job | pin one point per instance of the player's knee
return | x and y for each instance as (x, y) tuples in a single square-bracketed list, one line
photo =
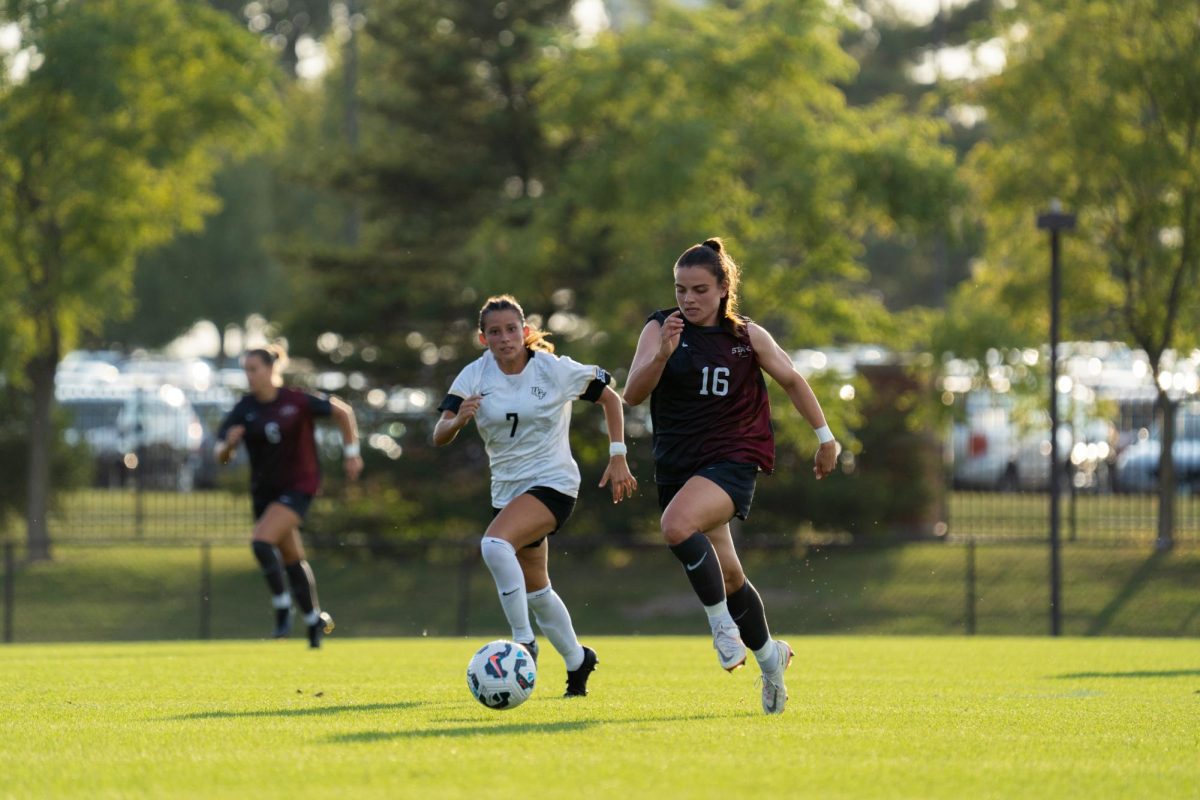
[(676, 529)]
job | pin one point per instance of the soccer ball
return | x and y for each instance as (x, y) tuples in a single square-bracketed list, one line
[(501, 675)]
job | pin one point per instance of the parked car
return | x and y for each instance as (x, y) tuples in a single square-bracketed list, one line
[(1137, 465), (151, 435), (990, 451)]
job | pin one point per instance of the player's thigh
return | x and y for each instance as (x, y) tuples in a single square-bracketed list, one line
[(700, 505), (291, 547), (535, 565), (731, 566), (523, 521), (276, 523)]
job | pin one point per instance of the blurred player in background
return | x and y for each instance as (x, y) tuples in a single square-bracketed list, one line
[(701, 364), (519, 394), (276, 423)]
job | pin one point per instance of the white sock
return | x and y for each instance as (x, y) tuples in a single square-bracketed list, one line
[(768, 656), (717, 615), (311, 617), (281, 600), (501, 559), (555, 621)]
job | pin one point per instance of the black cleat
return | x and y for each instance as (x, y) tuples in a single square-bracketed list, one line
[(283, 622), (577, 678), (318, 630), (532, 648)]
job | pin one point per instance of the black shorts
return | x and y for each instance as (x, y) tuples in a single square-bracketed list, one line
[(560, 505), (296, 501), (736, 479)]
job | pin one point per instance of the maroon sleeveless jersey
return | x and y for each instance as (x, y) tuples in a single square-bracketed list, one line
[(279, 438), (710, 404)]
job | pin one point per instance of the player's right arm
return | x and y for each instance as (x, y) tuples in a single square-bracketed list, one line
[(229, 435), (225, 447), (452, 422), (655, 346)]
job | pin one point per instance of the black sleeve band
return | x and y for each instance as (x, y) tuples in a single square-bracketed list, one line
[(450, 403), (596, 387)]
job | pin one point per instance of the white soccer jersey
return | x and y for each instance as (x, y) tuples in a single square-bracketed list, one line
[(524, 420)]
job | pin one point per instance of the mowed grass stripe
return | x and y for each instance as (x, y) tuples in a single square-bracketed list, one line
[(869, 717)]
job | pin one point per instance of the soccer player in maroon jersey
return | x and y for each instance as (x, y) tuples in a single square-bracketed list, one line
[(701, 364), (276, 424)]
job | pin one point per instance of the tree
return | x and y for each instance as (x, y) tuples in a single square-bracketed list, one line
[(899, 57), (223, 273), (108, 147), (719, 121), (447, 122), (1099, 106)]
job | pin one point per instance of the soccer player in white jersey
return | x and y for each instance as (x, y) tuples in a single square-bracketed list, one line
[(519, 394)]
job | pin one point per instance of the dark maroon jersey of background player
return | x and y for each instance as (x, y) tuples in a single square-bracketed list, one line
[(710, 404), (279, 439)]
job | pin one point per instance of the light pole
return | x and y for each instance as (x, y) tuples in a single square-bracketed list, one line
[(1054, 220)]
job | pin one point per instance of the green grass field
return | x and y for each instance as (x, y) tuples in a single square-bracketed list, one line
[(868, 717)]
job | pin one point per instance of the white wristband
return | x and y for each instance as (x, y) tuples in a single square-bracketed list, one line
[(617, 449), (824, 435), (351, 450)]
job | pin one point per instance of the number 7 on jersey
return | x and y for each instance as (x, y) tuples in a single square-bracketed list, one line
[(515, 419)]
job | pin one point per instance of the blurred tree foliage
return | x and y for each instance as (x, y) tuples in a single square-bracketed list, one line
[(446, 117), (222, 273), (231, 268), (898, 57), (108, 146)]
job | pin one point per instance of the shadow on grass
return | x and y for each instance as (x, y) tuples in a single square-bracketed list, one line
[(507, 729), (1171, 673), (1136, 581), (315, 711)]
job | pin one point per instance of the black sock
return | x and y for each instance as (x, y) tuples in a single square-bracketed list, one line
[(304, 585), (703, 569), (746, 608), (272, 567)]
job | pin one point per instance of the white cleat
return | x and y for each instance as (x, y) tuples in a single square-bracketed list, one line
[(727, 641), (774, 693)]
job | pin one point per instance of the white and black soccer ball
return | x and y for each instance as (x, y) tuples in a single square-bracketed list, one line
[(501, 675)]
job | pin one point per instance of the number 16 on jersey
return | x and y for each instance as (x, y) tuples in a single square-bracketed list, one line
[(719, 386)]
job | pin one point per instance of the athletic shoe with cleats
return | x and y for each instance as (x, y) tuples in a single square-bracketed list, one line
[(577, 678), (774, 693), (532, 649), (727, 641), (283, 622), (319, 629)]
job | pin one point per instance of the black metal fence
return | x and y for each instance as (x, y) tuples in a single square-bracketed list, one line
[(184, 590)]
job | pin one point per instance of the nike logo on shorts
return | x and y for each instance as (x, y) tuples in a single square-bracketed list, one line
[(691, 567)]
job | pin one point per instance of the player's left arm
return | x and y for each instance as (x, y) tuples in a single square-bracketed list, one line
[(617, 471), (343, 417), (775, 362)]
